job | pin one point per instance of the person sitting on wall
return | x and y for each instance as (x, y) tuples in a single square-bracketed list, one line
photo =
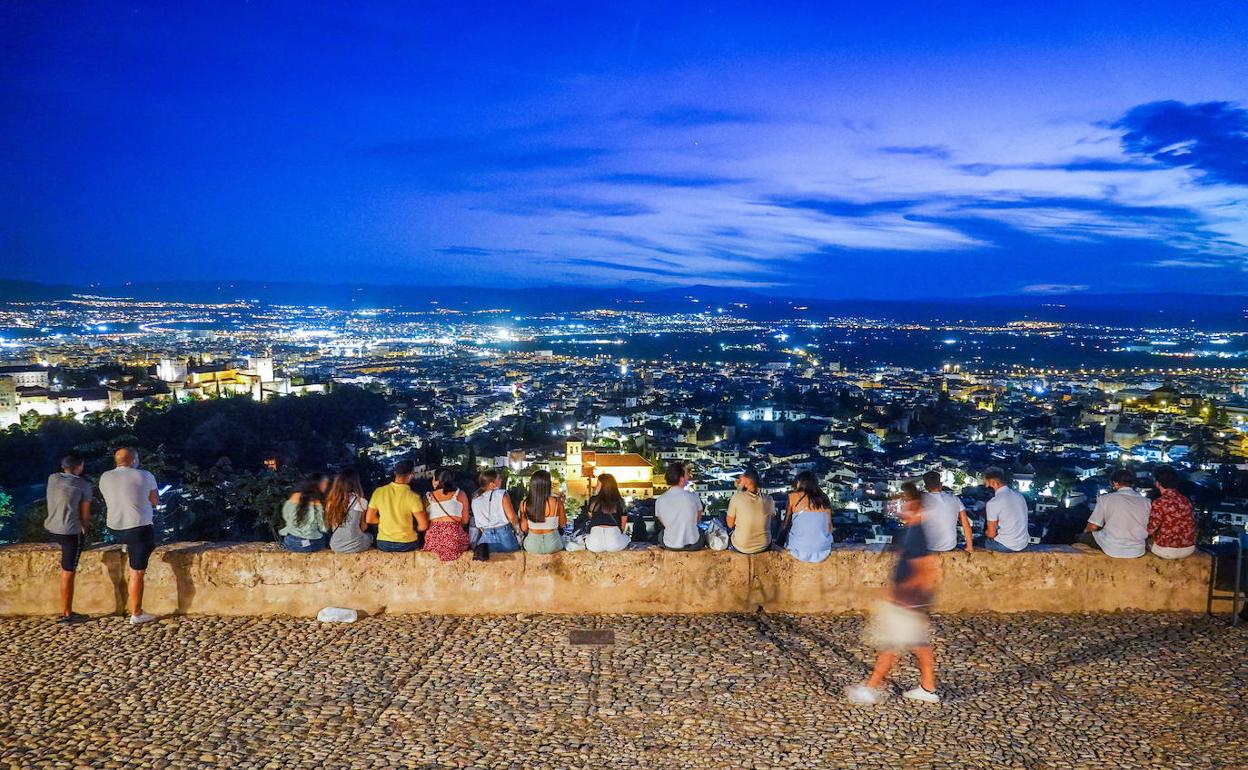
[(1118, 525), (303, 518), (750, 515), (448, 511), (493, 514), (398, 512), (942, 513), (607, 518), (345, 509), (1006, 530), (679, 511), (542, 516), (1171, 523)]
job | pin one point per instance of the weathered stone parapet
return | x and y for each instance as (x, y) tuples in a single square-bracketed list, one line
[(263, 579)]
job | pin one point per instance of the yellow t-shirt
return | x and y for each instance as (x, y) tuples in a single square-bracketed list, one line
[(395, 504)]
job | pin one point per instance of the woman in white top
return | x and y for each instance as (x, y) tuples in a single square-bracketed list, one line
[(344, 509), (448, 511), (810, 520), (542, 515), (493, 515)]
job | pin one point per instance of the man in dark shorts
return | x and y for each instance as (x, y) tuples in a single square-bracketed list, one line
[(130, 497), (69, 513), (901, 622)]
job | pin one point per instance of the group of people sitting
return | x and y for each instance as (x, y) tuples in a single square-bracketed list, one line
[(334, 513)]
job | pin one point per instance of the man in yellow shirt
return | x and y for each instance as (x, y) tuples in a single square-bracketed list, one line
[(398, 512)]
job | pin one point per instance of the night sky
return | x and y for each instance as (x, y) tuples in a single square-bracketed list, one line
[(835, 149)]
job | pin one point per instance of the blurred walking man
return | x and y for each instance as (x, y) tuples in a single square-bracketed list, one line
[(130, 497), (901, 622)]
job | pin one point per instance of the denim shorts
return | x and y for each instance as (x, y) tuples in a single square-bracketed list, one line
[(499, 539), (992, 544), (303, 544)]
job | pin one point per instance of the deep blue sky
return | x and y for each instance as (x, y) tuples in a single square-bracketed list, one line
[(837, 149)]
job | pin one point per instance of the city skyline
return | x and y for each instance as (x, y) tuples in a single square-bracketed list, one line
[(903, 152)]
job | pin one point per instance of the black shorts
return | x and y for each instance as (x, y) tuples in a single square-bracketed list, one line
[(71, 549), (139, 543)]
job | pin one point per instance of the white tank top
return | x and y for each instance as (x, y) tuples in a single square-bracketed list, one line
[(444, 509), (487, 510)]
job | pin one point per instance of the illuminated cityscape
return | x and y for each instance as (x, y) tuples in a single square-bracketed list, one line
[(718, 388)]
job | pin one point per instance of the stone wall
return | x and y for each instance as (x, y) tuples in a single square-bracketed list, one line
[(262, 579)]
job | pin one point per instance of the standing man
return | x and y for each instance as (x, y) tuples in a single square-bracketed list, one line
[(398, 512), (1006, 530), (901, 622), (942, 512), (130, 497), (679, 511), (69, 514), (1119, 523)]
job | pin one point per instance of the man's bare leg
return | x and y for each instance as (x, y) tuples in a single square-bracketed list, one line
[(67, 592), (136, 592)]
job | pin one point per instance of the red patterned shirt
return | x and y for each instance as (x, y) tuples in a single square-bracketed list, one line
[(1172, 524)]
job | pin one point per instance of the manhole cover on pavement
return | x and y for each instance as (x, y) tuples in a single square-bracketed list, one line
[(604, 636)]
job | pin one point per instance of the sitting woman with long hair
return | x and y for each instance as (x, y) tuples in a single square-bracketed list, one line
[(810, 520), (493, 515), (606, 518), (344, 510), (542, 515), (448, 510), (303, 518)]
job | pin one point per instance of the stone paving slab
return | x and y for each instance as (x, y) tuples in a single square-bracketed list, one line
[(1022, 691)]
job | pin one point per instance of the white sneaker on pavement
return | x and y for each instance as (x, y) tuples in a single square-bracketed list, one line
[(141, 618), (920, 694), (863, 695)]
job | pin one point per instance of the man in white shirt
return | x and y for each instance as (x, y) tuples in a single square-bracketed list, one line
[(1006, 530), (1119, 523), (679, 511), (942, 512), (129, 497)]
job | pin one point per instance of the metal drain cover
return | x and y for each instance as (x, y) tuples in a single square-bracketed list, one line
[(599, 636)]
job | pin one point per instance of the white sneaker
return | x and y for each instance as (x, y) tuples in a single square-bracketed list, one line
[(863, 695), (920, 694), (141, 618)]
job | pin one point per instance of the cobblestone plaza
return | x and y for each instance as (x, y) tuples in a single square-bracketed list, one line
[(1021, 691)]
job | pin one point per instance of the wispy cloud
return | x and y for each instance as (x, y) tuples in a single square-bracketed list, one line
[(584, 207), (1054, 288), (667, 180), (933, 151), (678, 115)]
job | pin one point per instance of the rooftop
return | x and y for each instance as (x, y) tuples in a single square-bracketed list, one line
[(1022, 691)]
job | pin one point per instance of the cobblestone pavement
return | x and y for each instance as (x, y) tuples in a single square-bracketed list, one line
[(1033, 691)]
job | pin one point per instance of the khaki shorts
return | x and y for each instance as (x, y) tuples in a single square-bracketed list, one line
[(893, 628)]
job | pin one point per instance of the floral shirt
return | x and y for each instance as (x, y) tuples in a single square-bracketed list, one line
[(1172, 524)]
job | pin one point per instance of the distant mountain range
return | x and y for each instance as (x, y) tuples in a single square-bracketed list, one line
[(1163, 309)]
